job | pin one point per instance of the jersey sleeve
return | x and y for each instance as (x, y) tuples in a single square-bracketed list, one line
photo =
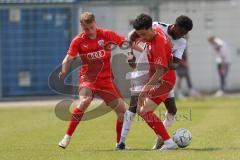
[(179, 48), (74, 47), (114, 37), (130, 34)]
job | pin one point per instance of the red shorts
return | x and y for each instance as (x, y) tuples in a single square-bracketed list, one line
[(160, 93), (106, 90)]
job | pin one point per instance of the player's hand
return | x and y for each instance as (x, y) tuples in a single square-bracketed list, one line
[(62, 75), (132, 36), (131, 60), (172, 66)]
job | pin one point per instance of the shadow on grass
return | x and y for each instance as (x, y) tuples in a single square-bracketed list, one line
[(112, 150), (202, 149), (211, 149)]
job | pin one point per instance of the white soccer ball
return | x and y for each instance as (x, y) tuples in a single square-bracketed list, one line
[(182, 137)]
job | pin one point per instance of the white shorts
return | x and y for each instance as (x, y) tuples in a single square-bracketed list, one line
[(138, 80), (171, 94)]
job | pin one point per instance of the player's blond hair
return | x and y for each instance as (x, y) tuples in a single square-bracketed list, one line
[(87, 17)]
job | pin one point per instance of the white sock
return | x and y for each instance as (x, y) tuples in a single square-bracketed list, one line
[(128, 118), (169, 119)]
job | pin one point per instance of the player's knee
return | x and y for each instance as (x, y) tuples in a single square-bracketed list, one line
[(84, 102), (145, 109), (120, 109), (133, 109), (120, 115), (121, 106), (142, 111), (172, 110), (171, 106), (116, 104)]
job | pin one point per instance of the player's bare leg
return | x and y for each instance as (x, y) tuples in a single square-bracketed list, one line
[(171, 111), (118, 106), (85, 98)]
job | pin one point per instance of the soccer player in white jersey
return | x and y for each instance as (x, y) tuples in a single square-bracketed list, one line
[(176, 33), (223, 61)]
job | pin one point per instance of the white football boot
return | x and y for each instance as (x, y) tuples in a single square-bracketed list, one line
[(64, 142), (169, 145)]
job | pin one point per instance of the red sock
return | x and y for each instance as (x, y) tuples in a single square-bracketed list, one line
[(119, 125), (155, 123), (76, 118)]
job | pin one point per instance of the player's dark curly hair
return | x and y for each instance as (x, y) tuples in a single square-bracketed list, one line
[(143, 21), (184, 22)]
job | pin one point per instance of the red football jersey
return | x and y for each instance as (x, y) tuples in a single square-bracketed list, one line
[(159, 52), (95, 54)]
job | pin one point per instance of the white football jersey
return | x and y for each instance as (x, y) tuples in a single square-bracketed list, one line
[(179, 45)]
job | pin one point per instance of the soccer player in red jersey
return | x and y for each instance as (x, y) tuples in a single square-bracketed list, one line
[(176, 33), (92, 45), (161, 81)]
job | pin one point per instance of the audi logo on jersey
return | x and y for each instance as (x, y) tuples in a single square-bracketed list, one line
[(95, 55)]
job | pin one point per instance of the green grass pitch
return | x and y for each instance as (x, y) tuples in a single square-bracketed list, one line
[(34, 132)]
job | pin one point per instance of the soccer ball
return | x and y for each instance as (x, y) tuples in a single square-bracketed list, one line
[(182, 137)]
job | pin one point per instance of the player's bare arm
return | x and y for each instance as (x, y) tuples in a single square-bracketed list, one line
[(65, 66), (132, 37)]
